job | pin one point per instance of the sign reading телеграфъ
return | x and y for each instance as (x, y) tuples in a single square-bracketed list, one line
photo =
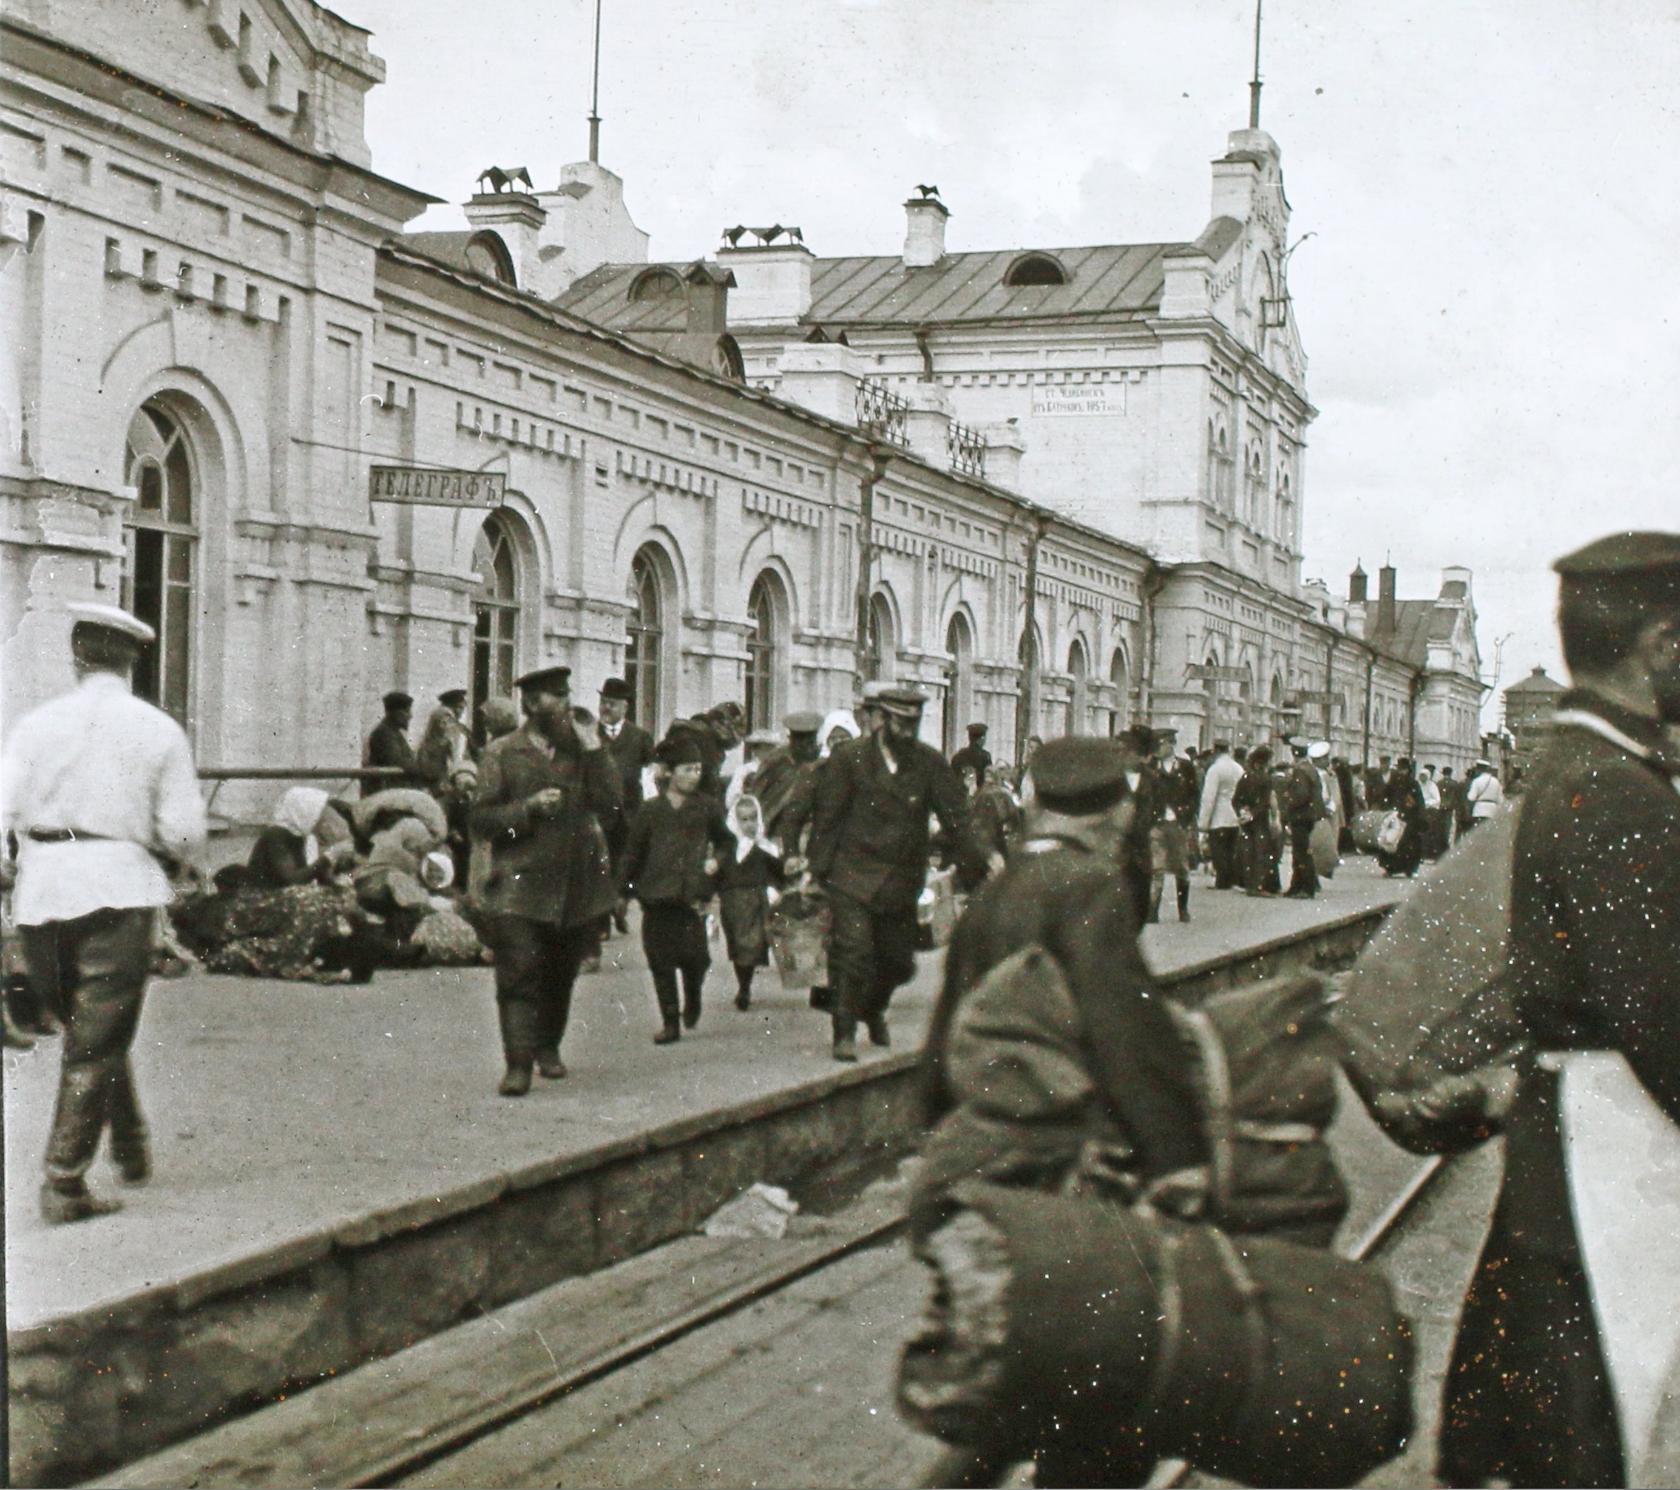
[(436, 488)]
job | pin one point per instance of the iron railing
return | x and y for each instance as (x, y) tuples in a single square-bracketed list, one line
[(967, 450), (881, 413)]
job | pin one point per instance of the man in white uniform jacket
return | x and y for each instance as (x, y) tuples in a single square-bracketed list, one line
[(100, 792), (1217, 817)]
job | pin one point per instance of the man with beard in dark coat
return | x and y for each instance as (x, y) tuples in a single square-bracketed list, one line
[(1537, 1393), (869, 851)]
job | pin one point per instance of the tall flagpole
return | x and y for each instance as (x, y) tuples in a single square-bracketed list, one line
[(595, 96), (1254, 84)]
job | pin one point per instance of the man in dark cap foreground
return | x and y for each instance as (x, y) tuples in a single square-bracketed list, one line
[(1064, 892), (869, 850), (543, 793), (1573, 1302), (100, 790)]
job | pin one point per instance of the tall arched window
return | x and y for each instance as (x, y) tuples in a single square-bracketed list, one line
[(645, 640), (1078, 670), (1214, 723), (161, 562), (881, 663), (763, 653), (495, 612), (1120, 675), (959, 683)]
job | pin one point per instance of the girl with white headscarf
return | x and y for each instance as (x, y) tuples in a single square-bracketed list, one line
[(288, 851), (842, 720)]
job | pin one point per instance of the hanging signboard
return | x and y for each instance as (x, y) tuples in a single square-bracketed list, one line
[(418, 486)]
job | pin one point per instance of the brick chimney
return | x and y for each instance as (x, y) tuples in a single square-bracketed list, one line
[(1388, 614), (773, 283), (924, 231)]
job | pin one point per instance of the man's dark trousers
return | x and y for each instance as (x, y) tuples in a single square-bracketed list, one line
[(1303, 873), (1222, 849), (871, 952), (91, 972), (536, 965)]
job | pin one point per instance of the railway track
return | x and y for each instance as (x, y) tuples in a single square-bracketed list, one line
[(692, 1364)]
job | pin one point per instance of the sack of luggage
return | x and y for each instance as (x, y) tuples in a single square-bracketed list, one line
[(799, 938), (1389, 834), (1265, 1061), (1058, 1318)]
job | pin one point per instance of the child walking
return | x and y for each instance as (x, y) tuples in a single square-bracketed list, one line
[(669, 864), (748, 885)]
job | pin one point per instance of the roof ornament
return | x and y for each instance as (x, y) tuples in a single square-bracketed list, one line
[(929, 193), (765, 236), (502, 179)]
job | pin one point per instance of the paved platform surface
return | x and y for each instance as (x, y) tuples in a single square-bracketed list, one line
[(282, 1110)]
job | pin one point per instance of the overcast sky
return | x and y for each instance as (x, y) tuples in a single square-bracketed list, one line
[(1489, 305)]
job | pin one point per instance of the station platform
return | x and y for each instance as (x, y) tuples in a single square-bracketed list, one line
[(335, 1176)]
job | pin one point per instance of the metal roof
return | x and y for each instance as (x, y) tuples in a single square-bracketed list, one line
[(878, 289), (603, 296), (1537, 681)]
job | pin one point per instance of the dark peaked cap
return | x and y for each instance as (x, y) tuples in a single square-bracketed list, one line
[(903, 701), (802, 723), (549, 679), (1079, 774), (1623, 554)]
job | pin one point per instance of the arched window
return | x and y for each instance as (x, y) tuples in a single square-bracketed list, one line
[(655, 284), (1078, 669), (1035, 269), (959, 682), (1214, 724), (881, 663), (495, 611), (161, 561), (1285, 513), (1120, 675), (644, 648), (764, 649)]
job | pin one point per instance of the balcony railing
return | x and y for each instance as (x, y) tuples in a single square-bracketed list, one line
[(881, 413), (967, 450)]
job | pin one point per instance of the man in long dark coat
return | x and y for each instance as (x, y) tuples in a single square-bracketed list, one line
[(777, 777), (1533, 1396), (869, 850), (543, 793), (974, 755)]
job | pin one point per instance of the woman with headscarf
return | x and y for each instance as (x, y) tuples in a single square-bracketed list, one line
[(288, 913)]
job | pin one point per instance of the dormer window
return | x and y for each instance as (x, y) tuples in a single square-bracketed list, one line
[(655, 284), (1035, 269), (488, 255)]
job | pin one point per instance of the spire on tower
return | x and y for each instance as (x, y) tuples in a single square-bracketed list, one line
[(595, 95), (1254, 82)]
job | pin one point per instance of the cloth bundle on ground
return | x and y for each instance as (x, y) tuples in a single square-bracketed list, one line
[(1427, 1018), (1068, 1318)]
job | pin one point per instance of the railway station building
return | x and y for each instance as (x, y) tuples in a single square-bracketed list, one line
[(326, 457)]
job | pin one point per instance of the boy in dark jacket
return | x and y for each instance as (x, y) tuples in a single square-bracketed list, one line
[(669, 865)]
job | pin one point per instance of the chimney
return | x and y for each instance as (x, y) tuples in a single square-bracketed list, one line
[(772, 282), (517, 218), (924, 231), (1388, 614), (1357, 582), (706, 299)]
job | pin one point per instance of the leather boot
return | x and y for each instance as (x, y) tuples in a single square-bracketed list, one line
[(517, 1081), (1183, 900), (550, 1066), (691, 1003), (64, 1203), (1154, 903), (669, 1034), (845, 1038), (878, 1032)]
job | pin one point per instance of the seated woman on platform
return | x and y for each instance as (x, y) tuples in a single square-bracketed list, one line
[(288, 912)]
